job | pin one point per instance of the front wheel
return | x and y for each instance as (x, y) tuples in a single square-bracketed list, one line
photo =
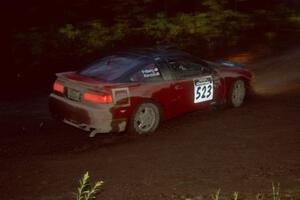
[(237, 93), (145, 119)]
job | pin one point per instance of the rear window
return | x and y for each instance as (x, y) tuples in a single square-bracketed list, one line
[(110, 68)]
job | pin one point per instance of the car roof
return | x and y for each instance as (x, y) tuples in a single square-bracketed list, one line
[(155, 53), (145, 55)]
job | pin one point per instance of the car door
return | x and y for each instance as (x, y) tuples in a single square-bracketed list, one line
[(196, 85), (156, 83)]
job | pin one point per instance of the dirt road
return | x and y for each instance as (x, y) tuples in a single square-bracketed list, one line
[(242, 149)]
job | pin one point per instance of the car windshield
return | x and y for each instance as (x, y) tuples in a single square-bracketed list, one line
[(110, 68)]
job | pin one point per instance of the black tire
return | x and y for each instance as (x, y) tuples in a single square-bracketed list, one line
[(237, 93), (145, 119)]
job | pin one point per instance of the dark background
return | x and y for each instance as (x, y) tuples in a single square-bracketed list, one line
[(244, 149), (45, 37)]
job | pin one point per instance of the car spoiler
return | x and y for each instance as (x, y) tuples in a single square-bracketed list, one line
[(72, 76), (227, 63)]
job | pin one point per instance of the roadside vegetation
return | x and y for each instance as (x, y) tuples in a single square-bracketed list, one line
[(84, 30), (88, 191), (213, 23), (274, 194)]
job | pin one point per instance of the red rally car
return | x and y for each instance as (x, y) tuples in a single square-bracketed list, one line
[(137, 89)]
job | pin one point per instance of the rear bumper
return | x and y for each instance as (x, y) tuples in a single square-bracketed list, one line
[(85, 117)]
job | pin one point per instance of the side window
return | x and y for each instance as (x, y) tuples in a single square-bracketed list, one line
[(148, 73), (183, 69)]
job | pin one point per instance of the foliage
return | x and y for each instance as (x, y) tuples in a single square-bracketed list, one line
[(215, 25), (273, 195), (212, 24), (276, 191), (235, 196), (85, 191), (93, 35), (160, 28), (291, 17), (216, 196), (69, 31)]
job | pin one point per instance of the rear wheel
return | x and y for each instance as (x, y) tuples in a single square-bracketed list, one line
[(145, 119), (237, 93)]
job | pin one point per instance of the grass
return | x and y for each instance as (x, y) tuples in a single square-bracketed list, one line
[(86, 190), (274, 194), (216, 196), (275, 191)]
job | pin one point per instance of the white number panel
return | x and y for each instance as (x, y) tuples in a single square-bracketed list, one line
[(203, 89)]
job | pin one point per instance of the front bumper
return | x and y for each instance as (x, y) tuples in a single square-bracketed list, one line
[(97, 119)]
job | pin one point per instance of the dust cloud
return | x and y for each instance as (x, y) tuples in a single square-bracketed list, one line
[(274, 74)]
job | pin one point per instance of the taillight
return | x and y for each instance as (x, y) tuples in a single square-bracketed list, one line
[(58, 87), (97, 98)]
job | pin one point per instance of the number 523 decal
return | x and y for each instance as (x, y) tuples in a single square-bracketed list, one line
[(203, 89)]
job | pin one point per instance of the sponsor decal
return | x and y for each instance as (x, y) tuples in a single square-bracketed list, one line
[(150, 72)]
